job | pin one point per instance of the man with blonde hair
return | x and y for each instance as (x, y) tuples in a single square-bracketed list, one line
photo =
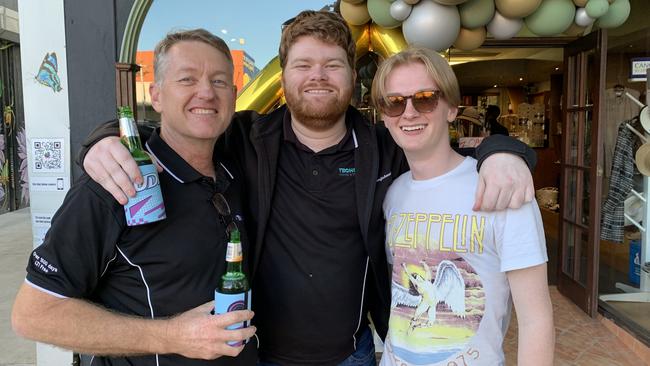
[(454, 269)]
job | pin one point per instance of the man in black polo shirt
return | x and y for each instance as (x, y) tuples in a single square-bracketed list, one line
[(316, 173), (141, 295)]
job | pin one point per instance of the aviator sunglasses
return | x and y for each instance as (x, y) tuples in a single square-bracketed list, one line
[(423, 101)]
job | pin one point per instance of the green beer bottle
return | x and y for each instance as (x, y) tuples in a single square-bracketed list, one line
[(233, 292), (147, 205)]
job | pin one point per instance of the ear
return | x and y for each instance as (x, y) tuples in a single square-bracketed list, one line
[(154, 91), (451, 114)]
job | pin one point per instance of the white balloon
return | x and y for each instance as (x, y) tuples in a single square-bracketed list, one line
[(501, 27), (432, 25), (400, 10), (582, 18)]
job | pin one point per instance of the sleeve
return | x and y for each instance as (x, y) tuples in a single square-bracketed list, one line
[(79, 246), (505, 144), (107, 129), (519, 236)]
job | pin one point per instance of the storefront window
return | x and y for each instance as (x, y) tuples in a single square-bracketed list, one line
[(624, 287)]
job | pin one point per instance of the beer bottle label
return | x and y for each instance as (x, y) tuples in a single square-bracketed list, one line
[(234, 252), (224, 303), (147, 205)]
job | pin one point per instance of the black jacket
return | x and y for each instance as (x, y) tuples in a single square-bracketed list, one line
[(255, 141)]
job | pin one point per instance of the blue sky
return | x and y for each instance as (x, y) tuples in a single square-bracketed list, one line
[(256, 21)]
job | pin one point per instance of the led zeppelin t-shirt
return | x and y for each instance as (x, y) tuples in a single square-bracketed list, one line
[(450, 295)]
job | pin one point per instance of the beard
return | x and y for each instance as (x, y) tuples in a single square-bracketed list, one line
[(318, 115)]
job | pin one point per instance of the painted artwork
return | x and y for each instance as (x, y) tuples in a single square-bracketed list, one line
[(437, 305), (48, 72), (24, 178)]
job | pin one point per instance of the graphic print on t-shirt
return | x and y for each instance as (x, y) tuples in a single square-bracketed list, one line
[(438, 299)]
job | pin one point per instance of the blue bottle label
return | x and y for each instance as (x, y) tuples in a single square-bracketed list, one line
[(147, 205), (224, 303)]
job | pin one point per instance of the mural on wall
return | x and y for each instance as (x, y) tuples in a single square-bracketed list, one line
[(24, 178), (48, 72)]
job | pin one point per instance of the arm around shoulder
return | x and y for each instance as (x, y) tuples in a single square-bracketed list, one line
[(505, 144)]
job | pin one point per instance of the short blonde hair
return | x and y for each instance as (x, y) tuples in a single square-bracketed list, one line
[(437, 67), (323, 25), (172, 38)]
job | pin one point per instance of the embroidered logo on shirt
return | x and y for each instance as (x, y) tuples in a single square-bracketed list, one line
[(347, 172)]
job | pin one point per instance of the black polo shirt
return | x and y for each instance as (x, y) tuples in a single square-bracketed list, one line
[(154, 270), (308, 293)]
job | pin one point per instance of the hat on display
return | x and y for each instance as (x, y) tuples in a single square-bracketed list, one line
[(642, 159), (644, 118), (634, 209), (472, 115)]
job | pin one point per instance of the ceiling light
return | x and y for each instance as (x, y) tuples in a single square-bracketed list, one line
[(521, 79), (495, 85), (557, 69)]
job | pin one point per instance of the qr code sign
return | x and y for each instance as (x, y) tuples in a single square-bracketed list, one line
[(48, 155)]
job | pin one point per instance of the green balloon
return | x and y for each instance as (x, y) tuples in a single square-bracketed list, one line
[(476, 13), (597, 8), (380, 13), (616, 15), (552, 17)]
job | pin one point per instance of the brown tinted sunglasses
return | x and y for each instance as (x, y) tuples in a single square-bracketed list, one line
[(423, 101)]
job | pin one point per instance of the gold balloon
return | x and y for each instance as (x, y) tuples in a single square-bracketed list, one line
[(517, 8), (355, 14), (265, 91), (580, 3), (411, 2), (386, 42), (470, 39)]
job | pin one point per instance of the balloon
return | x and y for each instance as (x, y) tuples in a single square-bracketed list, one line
[(354, 1), (432, 25), (380, 13), (516, 8), (580, 3), (450, 2), (476, 13), (501, 27), (616, 15), (552, 17), (597, 8), (400, 10), (355, 14), (470, 39), (582, 18), (411, 2)]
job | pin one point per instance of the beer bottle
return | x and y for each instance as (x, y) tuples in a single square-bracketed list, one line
[(233, 292), (147, 205)]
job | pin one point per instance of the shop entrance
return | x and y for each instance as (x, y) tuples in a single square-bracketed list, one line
[(581, 170)]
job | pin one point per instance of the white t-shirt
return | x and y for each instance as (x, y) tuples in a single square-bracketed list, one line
[(450, 295)]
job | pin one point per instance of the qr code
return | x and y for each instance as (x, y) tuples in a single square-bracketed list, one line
[(47, 155)]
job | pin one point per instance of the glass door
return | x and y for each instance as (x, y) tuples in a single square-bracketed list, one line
[(581, 170)]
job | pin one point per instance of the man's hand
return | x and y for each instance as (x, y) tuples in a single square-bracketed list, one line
[(198, 334), (110, 164), (504, 181)]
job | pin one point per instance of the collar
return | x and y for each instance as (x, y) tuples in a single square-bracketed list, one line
[(347, 143), (174, 165)]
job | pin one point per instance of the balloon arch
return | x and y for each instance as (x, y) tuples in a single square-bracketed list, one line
[(388, 26)]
